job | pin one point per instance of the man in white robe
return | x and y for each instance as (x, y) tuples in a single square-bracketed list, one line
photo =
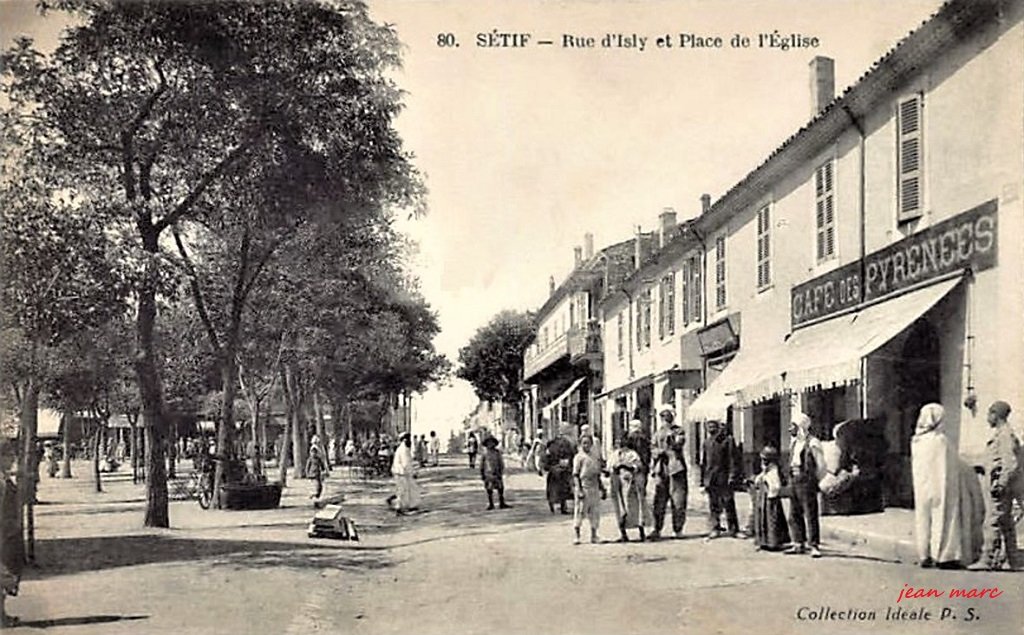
[(937, 529), (407, 492)]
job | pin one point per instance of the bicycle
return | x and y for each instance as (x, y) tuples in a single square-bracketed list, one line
[(201, 487)]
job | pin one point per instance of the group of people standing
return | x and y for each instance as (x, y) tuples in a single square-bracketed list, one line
[(959, 520)]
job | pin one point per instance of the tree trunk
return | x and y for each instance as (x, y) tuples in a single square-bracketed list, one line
[(150, 389), (65, 469), (172, 452), (286, 436), (336, 430), (321, 425), (97, 445), (28, 464), (257, 460)]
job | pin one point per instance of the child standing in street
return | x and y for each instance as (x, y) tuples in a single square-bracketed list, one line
[(771, 532), (492, 471), (586, 476)]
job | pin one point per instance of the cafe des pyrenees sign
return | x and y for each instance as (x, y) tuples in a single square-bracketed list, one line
[(966, 240)]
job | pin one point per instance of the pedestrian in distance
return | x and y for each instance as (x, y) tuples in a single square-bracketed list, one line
[(435, 448), (587, 490), (771, 532), (623, 465), (12, 546), (805, 459), (407, 493), (718, 475), (471, 449), (558, 458), (316, 466), (492, 472), (420, 450), (668, 473), (1004, 482)]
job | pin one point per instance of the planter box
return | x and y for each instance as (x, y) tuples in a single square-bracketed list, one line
[(263, 496)]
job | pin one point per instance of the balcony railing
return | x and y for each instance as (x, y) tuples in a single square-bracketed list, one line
[(533, 363), (585, 343)]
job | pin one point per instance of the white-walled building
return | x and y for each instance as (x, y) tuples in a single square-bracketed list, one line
[(875, 258)]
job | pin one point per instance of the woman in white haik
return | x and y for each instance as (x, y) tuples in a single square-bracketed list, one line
[(407, 492), (936, 491)]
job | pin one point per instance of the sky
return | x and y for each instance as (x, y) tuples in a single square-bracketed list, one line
[(527, 148)]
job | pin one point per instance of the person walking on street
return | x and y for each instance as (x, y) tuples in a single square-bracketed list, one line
[(316, 466), (12, 546), (1004, 481), (407, 492), (623, 464), (435, 448), (637, 441), (668, 471), (558, 458), (420, 451), (587, 490), (492, 472), (471, 449), (717, 478), (805, 456)]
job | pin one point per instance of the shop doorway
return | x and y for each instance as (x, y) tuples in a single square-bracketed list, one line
[(767, 431), (645, 406), (918, 382)]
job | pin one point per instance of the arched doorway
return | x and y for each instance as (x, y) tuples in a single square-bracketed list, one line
[(918, 382)]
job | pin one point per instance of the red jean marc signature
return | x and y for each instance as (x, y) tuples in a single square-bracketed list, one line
[(911, 593)]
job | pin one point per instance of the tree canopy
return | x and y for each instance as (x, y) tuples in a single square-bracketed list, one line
[(492, 361)]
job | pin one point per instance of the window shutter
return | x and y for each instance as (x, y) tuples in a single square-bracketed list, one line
[(909, 158), (698, 289)]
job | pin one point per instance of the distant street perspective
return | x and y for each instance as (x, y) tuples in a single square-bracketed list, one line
[(338, 316), (453, 566)]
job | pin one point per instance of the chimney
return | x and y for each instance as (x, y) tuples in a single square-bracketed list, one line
[(705, 203), (638, 250), (551, 285), (823, 83), (667, 221), (577, 255), (588, 246)]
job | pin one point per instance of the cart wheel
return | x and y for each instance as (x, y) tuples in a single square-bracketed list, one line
[(205, 495)]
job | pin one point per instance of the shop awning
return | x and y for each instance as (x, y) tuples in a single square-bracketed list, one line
[(546, 410), (826, 354), (747, 376), (829, 353)]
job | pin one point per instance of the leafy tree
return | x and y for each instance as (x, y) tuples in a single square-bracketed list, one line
[(492, 361), (156, 108)]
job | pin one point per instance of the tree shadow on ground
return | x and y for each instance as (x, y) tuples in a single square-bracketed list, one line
[(81, 621), (62, 556)]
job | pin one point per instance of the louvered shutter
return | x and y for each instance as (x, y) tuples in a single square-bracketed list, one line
[(909, 149)]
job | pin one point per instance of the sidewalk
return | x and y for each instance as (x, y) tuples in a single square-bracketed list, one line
[(887, 535)]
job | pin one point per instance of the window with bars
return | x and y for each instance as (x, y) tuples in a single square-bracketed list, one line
[(824, 210), (764, 248), (667, 306), (909, 153), (620, 333), (720, 297)]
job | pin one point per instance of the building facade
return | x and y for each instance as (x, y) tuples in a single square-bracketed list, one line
[(875, 258)]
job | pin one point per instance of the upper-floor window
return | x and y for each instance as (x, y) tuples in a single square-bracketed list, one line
[(646, 303), (909, 153), (620, 332), (667, 306), (572, 312), (692, 292), (764, 247), (639, 322), (545, 336), (720, 297), (824, 211)]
